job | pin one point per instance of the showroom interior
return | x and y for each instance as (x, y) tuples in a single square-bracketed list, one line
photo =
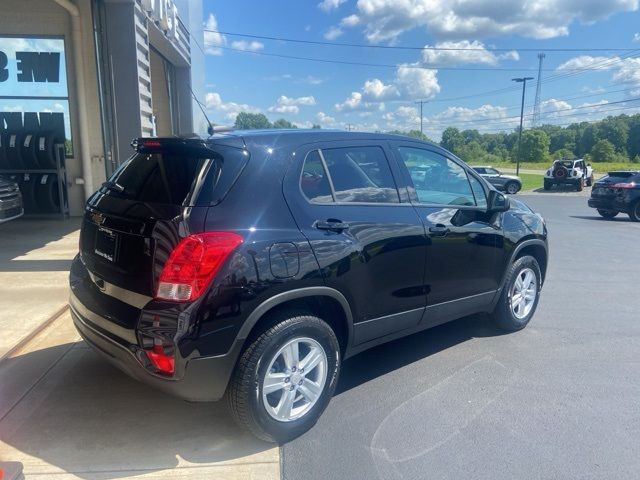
[(80, 79)]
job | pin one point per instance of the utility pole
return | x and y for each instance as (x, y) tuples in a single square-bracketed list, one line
[(536, 103), (349, 127), (522, 80), (421, 102)]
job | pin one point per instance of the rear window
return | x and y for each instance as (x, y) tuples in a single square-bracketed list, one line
[(174, 179)]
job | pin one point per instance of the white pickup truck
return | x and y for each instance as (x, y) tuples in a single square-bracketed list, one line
[(569, 172)]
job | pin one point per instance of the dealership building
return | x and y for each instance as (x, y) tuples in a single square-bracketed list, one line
[(87, 77)]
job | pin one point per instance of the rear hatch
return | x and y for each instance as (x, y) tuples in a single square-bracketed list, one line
[(150, 203), (605, 186)]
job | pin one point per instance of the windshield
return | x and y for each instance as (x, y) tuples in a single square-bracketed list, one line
[(565, 163)]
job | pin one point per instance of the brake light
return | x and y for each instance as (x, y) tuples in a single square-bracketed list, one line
[(625, 185), (151, 143), (163, 362), (194, 263)]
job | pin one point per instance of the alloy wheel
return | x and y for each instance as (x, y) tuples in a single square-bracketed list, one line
[(523, 293), (295, 379)]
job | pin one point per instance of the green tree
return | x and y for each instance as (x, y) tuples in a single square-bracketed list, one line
[(535, 146), (417, 134), (563, 153), (250, 121), (589, 137), (282, 123), (633, 139), (616, 130), (603, 151), (315, 126), (452, 139)]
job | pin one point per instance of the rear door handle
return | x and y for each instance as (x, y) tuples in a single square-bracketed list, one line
[(439, 230), (333, 225)]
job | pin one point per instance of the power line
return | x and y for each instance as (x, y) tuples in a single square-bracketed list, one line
[(398, 47)]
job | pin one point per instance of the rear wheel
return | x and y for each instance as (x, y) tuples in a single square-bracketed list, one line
[(607, 213), (547, 184), (634, 211), (590, 181), (285, 378), (520, 295), (512, 188)]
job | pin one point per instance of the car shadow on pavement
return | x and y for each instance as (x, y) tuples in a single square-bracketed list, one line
[(391, 356), (560, 189), (87, 418), (622, 218)]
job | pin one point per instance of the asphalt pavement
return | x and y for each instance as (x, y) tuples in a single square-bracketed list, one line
[(556, 400)]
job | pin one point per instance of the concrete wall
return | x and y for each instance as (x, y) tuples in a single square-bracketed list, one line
[(160, 95), (45, 17)]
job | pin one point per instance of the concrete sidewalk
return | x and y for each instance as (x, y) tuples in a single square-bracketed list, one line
[(66, 413), (35, 256)]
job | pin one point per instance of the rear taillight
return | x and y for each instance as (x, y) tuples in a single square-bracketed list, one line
[(624, 185), (193, 264)]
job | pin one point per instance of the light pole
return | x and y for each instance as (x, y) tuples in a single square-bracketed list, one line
[(522, 80), (421, 102)]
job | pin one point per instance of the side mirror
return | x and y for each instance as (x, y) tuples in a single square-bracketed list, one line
[(497, 202)]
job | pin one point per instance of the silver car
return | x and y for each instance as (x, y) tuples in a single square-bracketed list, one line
[(508, 183), (10, 200)]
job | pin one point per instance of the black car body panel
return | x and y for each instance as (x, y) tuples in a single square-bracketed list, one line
[(606, 196), (378, 270), (11, 206)]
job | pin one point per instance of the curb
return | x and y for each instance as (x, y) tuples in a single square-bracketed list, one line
[(22, 343)]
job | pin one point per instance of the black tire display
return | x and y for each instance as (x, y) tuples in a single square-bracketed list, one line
[(13, 151), (28, 151), (27, 185), (246, 395), (4, 165), (506, 314), (607, 213), (46, 193), (45, 151)]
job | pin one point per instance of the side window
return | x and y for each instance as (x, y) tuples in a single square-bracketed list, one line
[(478, 191), (361, 174), (314, 182), (481, 171), (436, 178)]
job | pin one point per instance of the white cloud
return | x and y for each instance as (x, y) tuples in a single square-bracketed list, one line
[(286, 104), (352, 21), (553, 107), (247, 46), (628, 72), (387, 19), (636, 37), (230, 110), (213, 40), (411, 83), (325, 120), (333, 33), (311, 80), (471, 52), (587, 61), (328, 5)]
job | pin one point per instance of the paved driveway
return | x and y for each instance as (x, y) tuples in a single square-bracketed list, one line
[(557, 400)]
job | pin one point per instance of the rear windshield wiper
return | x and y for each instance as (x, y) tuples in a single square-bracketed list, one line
[(113, 186)]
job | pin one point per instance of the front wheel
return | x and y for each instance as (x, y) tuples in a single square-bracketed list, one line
[(520, 295), (512, 188), (580, 185), (590, 181), (285, 378), (607, 213)]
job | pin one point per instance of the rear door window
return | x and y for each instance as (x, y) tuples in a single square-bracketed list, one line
[(348, 175)]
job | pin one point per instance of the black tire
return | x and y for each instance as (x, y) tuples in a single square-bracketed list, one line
[(13, 151), (45, 151), (244, 393), (28, 151), (547, 184), (580, 185), (503, 315), (27, 184), (607, 213), (590, 181), (47, 196), (634, 211), (512, 188), (4, 165)]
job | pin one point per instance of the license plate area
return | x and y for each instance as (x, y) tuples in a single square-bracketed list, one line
[(106, 244)]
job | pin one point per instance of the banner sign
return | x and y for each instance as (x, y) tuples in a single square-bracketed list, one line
[(32, 67)]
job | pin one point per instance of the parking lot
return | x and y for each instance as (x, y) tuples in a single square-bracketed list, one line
[(556, 400)]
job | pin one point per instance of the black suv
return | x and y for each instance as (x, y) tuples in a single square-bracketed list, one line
[(249, 265), (617, 192)]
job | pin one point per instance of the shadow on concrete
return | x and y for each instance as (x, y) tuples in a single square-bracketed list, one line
[(560, 189), (21, 236), (89, 419), (621, 218), (391, 356)]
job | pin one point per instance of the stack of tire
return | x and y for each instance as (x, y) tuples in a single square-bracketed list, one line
[(23, 156)]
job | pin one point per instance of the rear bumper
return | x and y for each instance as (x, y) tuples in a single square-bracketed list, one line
[(607, 204), (202, 379)]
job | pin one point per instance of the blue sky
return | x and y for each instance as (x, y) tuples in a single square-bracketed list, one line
[(382, 98)]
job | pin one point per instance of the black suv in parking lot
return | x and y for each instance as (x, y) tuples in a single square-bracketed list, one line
[(617, 192), (249, 265)]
